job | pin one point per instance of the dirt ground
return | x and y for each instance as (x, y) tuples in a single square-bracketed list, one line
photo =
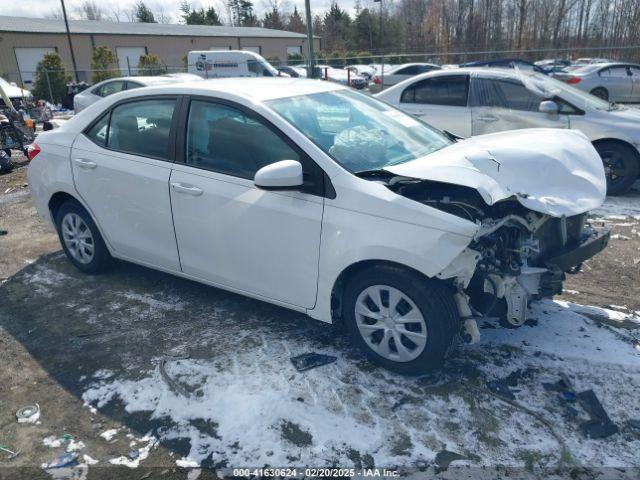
[(88, 349)]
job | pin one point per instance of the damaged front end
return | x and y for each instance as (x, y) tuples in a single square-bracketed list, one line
[(517, 254)]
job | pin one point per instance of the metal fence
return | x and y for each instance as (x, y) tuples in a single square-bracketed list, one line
[(339, 60)]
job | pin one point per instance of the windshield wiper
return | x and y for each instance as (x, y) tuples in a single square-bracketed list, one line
[(377, 172)]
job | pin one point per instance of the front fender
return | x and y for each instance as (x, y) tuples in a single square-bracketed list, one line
[(350, 237)]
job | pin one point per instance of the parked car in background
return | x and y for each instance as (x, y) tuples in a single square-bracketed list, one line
[(614, 82), (340, 76), (364, 71), (293, 72), (378, 67), (554, 65), (397, 74), (114, 85), (317, 198), (15, 93), (506, 63), (477, 101), (228, 63)]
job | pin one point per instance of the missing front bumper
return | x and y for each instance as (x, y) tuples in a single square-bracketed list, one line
[(587, 248)]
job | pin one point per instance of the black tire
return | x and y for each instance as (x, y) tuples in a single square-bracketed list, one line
[(601, 92), (101, 260), (621, 166), (433, 299)]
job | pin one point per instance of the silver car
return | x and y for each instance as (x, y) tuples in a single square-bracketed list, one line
[(614, 82), (390, 77), (477, 101)]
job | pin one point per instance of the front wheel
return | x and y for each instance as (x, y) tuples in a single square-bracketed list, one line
[(81, 239), (621, 166), (400, 320)]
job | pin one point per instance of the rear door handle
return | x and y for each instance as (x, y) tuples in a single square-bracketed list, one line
[(86, 164), (488, 118), (186, 189)]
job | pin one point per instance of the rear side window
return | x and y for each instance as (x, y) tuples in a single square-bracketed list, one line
[(614, 72), (449, 90), (142, 128), (225, 140), (98, 132), (110, 88), (488, 92)]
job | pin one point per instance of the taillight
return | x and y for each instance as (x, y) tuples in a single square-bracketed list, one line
[(376, 80), (573, 80), (32, 151)]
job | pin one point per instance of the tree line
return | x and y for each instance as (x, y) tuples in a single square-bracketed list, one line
[(452, 30)]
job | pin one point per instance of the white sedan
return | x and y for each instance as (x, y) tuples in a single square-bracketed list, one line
[(476, 101), (114, 85), (317, 198)]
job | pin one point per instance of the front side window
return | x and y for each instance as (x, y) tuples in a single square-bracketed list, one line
[(110, 88), (142, 128), (449, 90), (503, 93), (359, 132), (225, 140)]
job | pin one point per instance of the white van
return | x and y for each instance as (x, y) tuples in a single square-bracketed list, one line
[(229, 63)]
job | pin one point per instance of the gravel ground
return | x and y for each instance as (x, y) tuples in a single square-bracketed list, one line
[(88, 350)]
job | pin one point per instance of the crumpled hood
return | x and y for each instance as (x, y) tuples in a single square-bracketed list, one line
[(552, 171)]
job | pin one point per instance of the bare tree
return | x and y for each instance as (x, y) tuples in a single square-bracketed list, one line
[(90, 10)]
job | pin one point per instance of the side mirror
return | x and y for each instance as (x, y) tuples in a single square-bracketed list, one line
[(282, 175), (549, 107)]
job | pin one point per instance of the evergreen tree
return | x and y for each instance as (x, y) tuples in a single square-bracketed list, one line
[(104, 64), (274, 18), (296, 23), (143, 14), (51, 78), (200, 16), (242, 14)]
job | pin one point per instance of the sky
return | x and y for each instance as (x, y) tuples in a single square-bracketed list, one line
[(169, 8)]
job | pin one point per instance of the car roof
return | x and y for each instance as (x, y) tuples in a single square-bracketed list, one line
[(257, 89)]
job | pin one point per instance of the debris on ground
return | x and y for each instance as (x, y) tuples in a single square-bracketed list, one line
[(3, 232), (599, 425), (310, 360), (28, 414), (634, 423), (62, 460), (444, 458), (173, 385), (11, 453), (500, 387)]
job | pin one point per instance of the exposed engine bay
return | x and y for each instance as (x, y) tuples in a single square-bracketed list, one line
[(517, 254)]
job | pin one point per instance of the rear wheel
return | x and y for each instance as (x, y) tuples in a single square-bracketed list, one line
[(81, 239), (601, 92), (400, 320), (621, 166)]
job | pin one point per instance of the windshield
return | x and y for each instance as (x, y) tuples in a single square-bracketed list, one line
[(549, 87), (359, 132)]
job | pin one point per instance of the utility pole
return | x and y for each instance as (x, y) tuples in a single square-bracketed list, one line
[(380, 48), (310, 56), (73, 57)]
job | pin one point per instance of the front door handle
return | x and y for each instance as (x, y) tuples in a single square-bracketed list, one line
[(186, 188), (488, 118), (86, 164)]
